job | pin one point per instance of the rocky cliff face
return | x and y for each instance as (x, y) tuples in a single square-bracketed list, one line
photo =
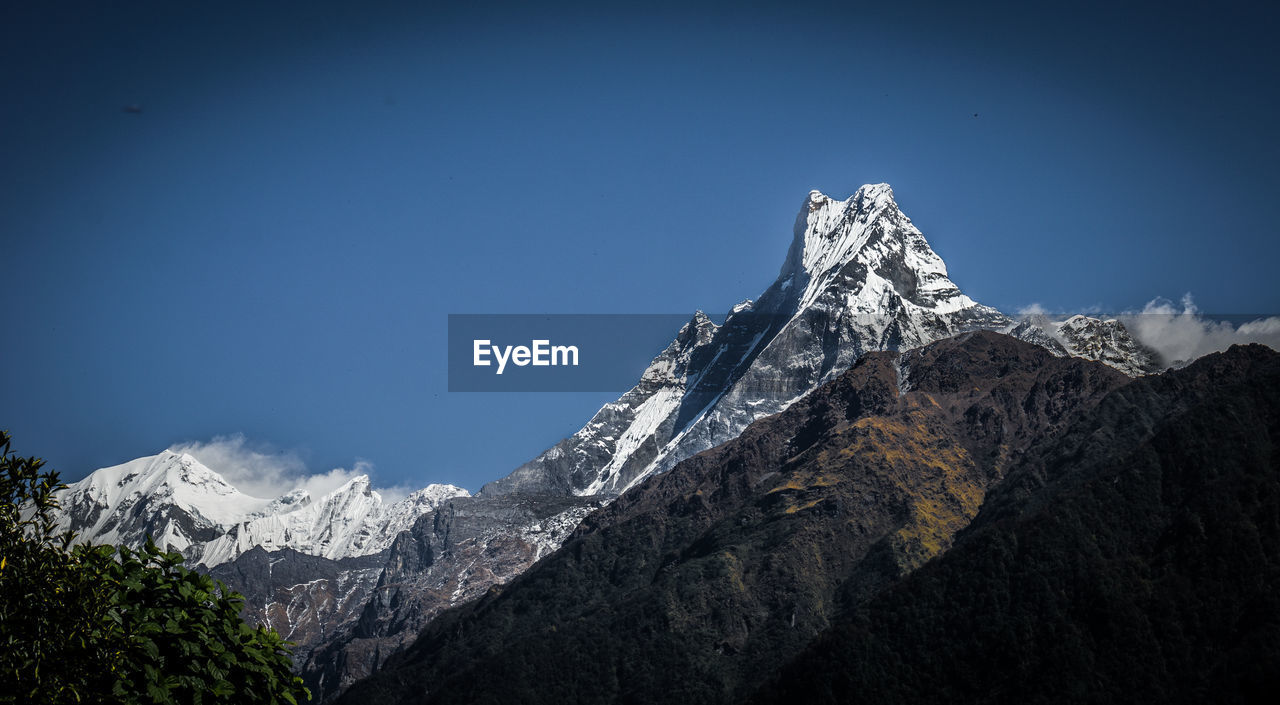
[(307, 599), (451, 555)]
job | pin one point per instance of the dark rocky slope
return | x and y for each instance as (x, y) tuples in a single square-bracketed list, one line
[(696, 585), (309, 597), (451, 555), (1137, 559)]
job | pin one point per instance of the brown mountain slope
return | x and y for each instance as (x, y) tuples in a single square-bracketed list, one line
[(1136, 559), (695, 585)]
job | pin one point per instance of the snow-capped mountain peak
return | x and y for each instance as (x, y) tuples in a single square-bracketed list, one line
[(356, 485), (868, 244), (823, 236), (858, 276), (186, 506), (171, 496)]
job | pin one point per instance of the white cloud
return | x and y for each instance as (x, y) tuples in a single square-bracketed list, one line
[(261, 471), (1035, 309), (395, 493), (1182, 335)]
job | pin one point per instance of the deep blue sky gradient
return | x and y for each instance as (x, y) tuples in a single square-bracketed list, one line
[(273, 244)]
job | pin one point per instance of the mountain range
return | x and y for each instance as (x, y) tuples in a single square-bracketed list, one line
[(353, 580), (971, 521), (184, 505)]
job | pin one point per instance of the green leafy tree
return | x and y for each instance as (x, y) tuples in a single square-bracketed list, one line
[(107, 624), (51, 645)]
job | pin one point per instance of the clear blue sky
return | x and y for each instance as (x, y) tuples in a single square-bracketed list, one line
[(271, 246)]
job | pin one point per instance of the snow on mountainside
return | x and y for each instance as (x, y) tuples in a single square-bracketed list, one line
[(190, 508), (858, 277), (350, 521), (1106, 341), (170, 496)]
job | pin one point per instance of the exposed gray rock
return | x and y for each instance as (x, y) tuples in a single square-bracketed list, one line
[(450, 556), (308, 599)]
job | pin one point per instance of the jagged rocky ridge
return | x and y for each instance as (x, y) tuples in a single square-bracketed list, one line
[(858, 277), (1123, 548)]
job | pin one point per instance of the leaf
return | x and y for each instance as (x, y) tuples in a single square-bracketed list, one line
[(150, 647)]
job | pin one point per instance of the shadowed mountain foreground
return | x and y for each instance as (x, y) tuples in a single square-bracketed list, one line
[(1101, 526), (1137, 559)]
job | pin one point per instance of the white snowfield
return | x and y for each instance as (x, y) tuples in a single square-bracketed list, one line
[(187, 507)]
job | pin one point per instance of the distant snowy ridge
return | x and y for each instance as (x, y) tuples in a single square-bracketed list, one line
[(1105, 340), (190, 508)]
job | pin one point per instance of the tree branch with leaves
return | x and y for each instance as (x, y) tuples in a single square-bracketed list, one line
[(108, 624)]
